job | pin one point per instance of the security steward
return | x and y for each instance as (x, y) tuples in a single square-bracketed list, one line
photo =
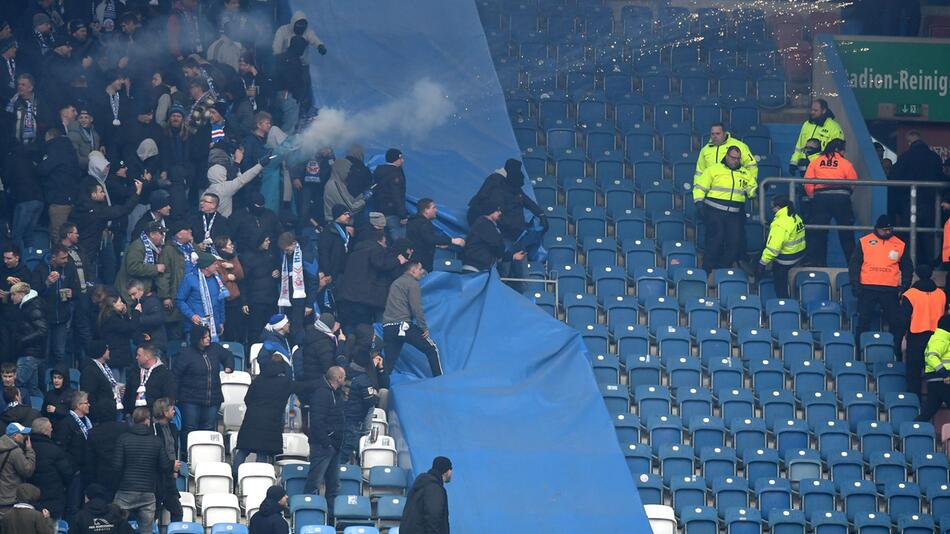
[(785, 246), (719, 195), (879, 270), (923, 305), (937, 370), (820, 125), (831, 201), (719, 141)]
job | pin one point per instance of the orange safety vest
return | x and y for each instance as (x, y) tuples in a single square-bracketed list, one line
[(946, 241), (881, 258), (833, 168), (928, 309)]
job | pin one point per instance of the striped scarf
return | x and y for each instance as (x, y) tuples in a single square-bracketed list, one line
[(217, 132), (151, 251)]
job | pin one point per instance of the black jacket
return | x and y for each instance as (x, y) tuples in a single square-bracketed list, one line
[(69, 436), (220, 226), (921, 163), (150, 322), (319, 354), (60, 171), (54, 471), (197, 374), (99, 517), (391, 190), (326, 416), (424, 237), (269, 519), (484, 245), (103, 440), (332, 251), (161, 383), (367, 274), (101, 396), (19, 414), (359, 178), (263, 425), (91, 218), (427, 506), (117, 330), (258, 286), (58, 398), (58, 311), (506, 192), (246, 225), (140, 457), (32, 328)]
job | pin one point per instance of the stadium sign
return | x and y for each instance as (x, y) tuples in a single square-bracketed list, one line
[(898, 78)]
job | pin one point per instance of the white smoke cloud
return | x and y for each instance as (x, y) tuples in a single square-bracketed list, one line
[(413, 116)]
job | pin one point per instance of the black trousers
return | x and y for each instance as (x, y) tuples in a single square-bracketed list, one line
[(393, 342), (938, 394), (724, 231), (870, 299), (914, 359), (824, 208), (167, 498), (780, 277)]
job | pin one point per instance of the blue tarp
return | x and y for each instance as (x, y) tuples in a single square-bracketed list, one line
[(519, 413), (379, 50)]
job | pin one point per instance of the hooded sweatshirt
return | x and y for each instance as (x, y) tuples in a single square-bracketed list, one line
[(285, 33), (219, 184), (97, 169), (337, 190)]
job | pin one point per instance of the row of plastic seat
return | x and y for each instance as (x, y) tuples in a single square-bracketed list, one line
[(237, 528)]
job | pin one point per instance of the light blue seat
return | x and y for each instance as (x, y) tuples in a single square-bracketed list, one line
[(308, 510), (802, 464)]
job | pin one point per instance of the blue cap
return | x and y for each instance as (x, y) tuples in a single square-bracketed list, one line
[(17, 428)]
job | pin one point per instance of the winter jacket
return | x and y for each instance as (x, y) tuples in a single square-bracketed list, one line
[(219, 184), (100, 517), (161, 383), (367, 274), (134, 268), (60, 172), (266, 400), (319, 354), (332, 251), (219, 226), (336, 192), (326, 416), (505, 191), (102, 445), (258, 286), (91, 218), (391, 190), (269, 519), (19, 414), (362, 396), (101, 396), (198, 376), (484, 245), (189, 303), (57, 398), (284, 33), (234, 289), (26, 521), (425, 237), (19, 466), (58, 311), (69, 436), (247, 223), (169, 281), (117, 331), (54, 471), (427, 506), (80, 140), (140, 457), (32, 328), (150, 322)]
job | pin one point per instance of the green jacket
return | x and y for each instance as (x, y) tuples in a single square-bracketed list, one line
[(937, 356), (829, 130), (168, 282), (134, 268), (786, 242)]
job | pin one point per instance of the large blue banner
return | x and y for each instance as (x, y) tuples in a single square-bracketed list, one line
[(416, 76), (519, 413)]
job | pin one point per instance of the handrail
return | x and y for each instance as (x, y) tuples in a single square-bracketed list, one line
[(912, 229)]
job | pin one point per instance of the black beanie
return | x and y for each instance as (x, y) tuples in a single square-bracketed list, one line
[(924, 271), (884, 221), (96, 348), (441, 464), (275, 493), (944, 323), (393, 155)]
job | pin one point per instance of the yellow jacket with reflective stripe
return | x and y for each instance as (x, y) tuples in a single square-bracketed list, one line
[(829, 130), (937, 354), (723, 188), (712, 154), (786, 242)]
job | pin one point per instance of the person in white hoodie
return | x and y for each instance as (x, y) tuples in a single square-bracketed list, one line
[(218, 181)]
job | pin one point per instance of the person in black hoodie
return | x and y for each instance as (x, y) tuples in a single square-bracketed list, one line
[(102, 442), (249, 222), (367, 279), (60, 173), (197, 371), (115, 328), (140, 457), (427, 504), (54, 468), (361, 398), (91, 216), (269, 518), (260, 285), (485, 246), (390, 179), (99, 515), (424, 236), (56, 400)]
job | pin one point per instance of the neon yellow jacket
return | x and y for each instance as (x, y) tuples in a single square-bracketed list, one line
[(829, 130), (722, 188), (937, 355), (712, 154), (786, 242)]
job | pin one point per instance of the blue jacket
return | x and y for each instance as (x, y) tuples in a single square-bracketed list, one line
[(188, 299)]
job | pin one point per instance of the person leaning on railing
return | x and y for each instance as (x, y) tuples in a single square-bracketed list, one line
[(831, 201)]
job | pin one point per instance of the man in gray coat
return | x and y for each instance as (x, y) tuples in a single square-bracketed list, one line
[(18, 462), (404, 321)]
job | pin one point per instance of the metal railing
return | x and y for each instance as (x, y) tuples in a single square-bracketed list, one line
[(913, 229), (545, 281)]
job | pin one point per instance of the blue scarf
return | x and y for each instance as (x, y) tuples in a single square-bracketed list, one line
[(150, 249), (343, 235), (207, 304), (187, 250)]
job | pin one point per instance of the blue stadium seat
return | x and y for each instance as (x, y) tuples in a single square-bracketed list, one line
[(783, 314), (699, 520), (543, 300), (652, 401), (802, 464), (745, 311), (682, 371), (917, 438), (677, 139), (572, 280), (570, 164), (688, 492), (621, 310), (717, 463), (823, 316), (650, 488), (580, 310), (838, 347), (662, 312), (773, 493), (294, 478), (845, 467), (871, 522), (850, 377), (875, 436), (790, 434), (743, 521), (877, 346), (729, 493), (859, 406), (182, 527), (891, 377), (735, 403), (638, 458), (812, 286), (887, 467), (808, 377), (552, 109), (817, 497), (389, 509), (833, 437), (596, 338), (819, 406), (562, 250), (627, 427), (664, 429), (690, 283), (591, 110), (606, 368), (702, 314), (742, 117), (679, 255), (616, 85), (938, 495), (655, 86), (795, 346), (714, 344), (639, 254), (767, 374), (609, 281), (901, 407), (616, 398), (658, 200), (308, 510), (706, 114), (638, 138), (632, 339), (771, 92), (676, 461), (667, 113), (733, 87), (557, 219), (787, 521), (707, 432), (914, 523), (642, 370), (760, 463), (672, 340), (748, 433), (929, 468), (859, 496), (350, 510), (754, 344), (829, 522), (778, 406), (560, 138), (730, 282), (608, 163), (651, 284)]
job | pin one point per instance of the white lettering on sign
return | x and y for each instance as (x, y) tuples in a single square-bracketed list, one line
[(903, 80)]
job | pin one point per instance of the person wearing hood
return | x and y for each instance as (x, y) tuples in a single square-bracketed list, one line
[(56, 399), (300, 26), (361, 399), (60, 172), (505, 188), (937, 371), (390, 179), (880, 270), (269, 518), (25, 518), (259, 287), (820, 125), (139, 130), (19, 464), (54, 469), (94, 213), (339, 190), (720, 195), (30, 334), (201, 297), (197, 372), (225, 188), (159, 210), (99, 515), (141, 260), (485, 246), (922, 305), (84, 137), (144, 165), (427, 504)]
